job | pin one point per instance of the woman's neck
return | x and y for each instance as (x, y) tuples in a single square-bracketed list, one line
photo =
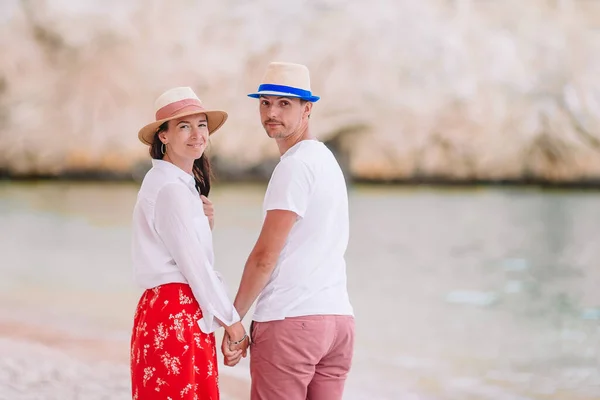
[(186, 165)]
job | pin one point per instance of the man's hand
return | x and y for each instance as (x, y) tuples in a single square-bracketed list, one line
[(209, 210)]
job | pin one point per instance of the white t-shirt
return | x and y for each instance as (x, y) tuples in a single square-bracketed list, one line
[(310, 275)]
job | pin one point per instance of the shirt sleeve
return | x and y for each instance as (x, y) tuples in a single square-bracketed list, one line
[(290, 187), (174, 222)]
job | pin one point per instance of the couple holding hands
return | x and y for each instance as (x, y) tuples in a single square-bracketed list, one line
[(301, 337)]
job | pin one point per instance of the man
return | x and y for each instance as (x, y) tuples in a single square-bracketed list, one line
[(303, 326)]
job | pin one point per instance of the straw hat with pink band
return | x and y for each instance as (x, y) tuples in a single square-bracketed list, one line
[(176, 103)]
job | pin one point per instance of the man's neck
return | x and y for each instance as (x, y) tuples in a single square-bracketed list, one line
[(290, 141)]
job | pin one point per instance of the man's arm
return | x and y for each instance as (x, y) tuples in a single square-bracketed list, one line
[(263, 258)]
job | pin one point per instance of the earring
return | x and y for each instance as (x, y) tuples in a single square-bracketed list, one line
[(163, 148)]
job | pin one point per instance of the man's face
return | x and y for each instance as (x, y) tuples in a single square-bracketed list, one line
[(282, 116)]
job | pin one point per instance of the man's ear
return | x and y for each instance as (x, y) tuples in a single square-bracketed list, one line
[(307, 109)]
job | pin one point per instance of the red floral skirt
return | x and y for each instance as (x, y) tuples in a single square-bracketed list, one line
[(171, 358)]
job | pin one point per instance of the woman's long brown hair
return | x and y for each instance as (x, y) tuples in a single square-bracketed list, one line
[(201, 168)]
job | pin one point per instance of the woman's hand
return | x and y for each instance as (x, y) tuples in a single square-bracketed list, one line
[(209, 210)]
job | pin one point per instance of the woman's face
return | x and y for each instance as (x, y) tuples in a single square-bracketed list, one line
[(186, 137)]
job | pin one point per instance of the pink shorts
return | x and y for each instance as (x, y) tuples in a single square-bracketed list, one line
[(301, 358)]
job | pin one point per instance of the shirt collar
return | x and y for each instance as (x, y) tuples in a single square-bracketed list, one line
[(295, 147), (174, 171)]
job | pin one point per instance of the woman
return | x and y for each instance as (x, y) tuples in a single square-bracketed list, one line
[(173, 346)]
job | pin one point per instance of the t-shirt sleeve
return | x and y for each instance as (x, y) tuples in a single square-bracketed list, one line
[(290, 187)]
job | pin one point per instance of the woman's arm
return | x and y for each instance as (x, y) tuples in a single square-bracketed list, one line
[(174, 222)]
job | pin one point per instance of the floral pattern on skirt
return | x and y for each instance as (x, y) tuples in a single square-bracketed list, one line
[(171, 358)]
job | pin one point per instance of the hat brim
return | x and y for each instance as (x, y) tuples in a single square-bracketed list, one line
[(216, 119), (312, 99)]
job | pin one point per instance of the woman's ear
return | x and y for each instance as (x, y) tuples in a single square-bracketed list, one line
[(163, 137)]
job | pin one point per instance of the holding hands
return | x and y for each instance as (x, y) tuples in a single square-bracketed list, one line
[(235, 344)]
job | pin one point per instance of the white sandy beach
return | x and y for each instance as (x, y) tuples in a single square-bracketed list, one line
[(33, 371), (37, 364)]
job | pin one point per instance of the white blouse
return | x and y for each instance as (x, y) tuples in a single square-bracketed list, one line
[(172, 242)]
